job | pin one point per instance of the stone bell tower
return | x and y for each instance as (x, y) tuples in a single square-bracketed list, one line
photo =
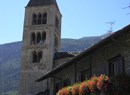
[(41, 39)]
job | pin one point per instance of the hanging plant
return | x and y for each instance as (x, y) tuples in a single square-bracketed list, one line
[(84, 89), (94, 86), (65, 91), (75, 89)]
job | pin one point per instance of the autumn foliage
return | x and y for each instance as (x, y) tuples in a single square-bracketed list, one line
[(94, 86)]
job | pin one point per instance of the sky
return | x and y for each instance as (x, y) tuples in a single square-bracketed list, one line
[(80, 18)]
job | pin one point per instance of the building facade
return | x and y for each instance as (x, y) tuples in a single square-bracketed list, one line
[(41, 40), (45, 69), (111, 56)]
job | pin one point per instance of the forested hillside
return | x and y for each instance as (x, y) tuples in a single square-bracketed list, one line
[(10, 59)]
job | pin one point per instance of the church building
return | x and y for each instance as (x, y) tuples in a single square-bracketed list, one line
[(41, 40), (45, 70)]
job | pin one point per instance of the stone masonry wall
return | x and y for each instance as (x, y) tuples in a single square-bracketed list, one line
[(97, 60)]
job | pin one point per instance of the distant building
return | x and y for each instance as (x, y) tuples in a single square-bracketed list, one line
[(45, 69)]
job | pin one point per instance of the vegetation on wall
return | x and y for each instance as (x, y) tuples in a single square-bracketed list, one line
[(94, 86), (101, 85)]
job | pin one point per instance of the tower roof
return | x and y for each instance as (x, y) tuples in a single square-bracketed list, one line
[(42, 3)]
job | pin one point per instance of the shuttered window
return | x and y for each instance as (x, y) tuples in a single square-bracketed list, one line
[(84, 75), (116, 66)]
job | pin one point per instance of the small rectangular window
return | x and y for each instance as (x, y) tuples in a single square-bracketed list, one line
[(66, 82), (85, 74), (116, 66)]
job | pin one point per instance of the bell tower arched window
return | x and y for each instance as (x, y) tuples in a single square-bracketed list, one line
[(39, 19), (34, 57), (34, 19), (38, 37), (33, 38), (39, 56), (44, 18), (43, 36)]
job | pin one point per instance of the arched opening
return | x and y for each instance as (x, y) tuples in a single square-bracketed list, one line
[(34, 57), (34, 19), (38, 37), (43, 36), (44, 18), (39, 56), (39, 18), (33, 38)]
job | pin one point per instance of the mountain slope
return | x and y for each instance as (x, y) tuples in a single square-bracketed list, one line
[(78, 44), (10, 59)]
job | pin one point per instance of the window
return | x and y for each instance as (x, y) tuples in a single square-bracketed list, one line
[(33, 38), (39, 56), (43, 36), (38, 37), (44, 18), (34, 19), (34, 57), (39, 19), (116, 66), (85, 74), (66, 82), (83, 77)]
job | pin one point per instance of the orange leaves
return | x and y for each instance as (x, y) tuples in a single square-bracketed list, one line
[(92, 83), (102, 79), (92, 86), (64, 91), (83, 88), (75, 89)]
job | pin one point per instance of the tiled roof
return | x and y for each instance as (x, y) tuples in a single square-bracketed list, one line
[(60, 55), (42, 3)]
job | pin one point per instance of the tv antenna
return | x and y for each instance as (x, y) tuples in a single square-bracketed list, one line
[(126, 8), (111, 25)]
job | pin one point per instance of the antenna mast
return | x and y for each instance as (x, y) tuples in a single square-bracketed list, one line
[(111, 25)]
